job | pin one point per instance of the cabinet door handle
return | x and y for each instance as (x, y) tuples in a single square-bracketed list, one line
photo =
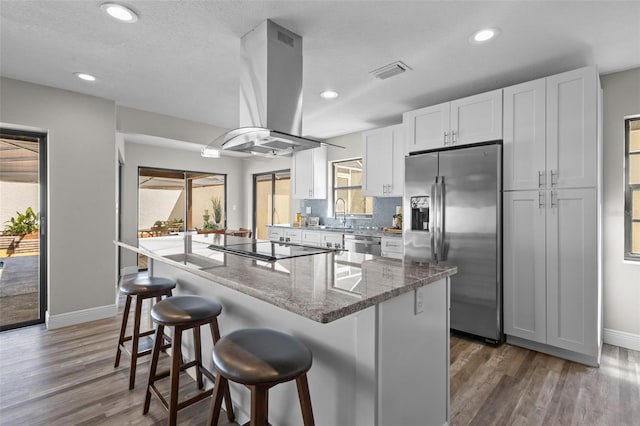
[(554, 182), (453, 136), (311, 193), (445, 138), (541, 200), (554, 204), (540, 179)]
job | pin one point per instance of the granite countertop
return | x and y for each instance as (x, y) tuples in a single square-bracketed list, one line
[(322, 287), (347, 231)]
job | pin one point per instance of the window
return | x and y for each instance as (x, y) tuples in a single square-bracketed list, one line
[(632, 188), (347, 185)]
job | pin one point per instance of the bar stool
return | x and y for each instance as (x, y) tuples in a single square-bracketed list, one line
[(141, 288), (260, 359), (183, 313)]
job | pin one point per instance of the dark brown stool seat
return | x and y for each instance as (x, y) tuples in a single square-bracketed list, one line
[(183, 313), (260, 359), (141, 288)]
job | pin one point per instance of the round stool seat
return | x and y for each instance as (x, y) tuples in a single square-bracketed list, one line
[(258, 356), (183, 310), (144, 285)]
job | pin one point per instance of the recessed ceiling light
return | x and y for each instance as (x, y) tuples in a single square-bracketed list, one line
[(84, 76), (484, 35), (119, 12), (329, 94)]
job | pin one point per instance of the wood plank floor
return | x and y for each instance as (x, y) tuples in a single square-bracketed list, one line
[(66, 377)]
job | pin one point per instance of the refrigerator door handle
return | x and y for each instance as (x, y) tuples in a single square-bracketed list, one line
[(432, 222), (440, 192)]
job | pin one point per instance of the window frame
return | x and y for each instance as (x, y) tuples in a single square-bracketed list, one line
[(628, 191), (334, 188)]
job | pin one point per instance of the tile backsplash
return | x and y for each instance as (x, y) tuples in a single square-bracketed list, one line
[(383, 211)]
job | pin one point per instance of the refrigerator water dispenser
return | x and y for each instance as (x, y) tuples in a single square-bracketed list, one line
[(420, 213)]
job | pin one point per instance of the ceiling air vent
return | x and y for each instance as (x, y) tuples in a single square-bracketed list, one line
[(390, 70)]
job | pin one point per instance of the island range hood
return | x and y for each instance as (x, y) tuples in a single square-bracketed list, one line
[(270, 95)]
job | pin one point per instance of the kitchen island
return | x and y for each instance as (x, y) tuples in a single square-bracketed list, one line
[(378, 328)]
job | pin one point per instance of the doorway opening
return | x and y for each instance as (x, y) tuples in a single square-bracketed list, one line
[(23, 298), (172, 201), (271, 201)]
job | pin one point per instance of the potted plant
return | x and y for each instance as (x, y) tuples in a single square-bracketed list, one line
[(216, 202), (24, 225)]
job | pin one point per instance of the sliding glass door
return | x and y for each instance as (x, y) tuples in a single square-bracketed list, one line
[(171, 201), (271, 201), (22, 228)]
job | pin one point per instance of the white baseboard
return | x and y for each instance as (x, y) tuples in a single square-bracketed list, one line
[(128, 270), (78, 317), (622, 339)]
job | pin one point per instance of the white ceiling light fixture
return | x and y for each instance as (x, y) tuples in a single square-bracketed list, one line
[(210, 152), (329, 94), (484, 35), (119, 12), (84, 76)]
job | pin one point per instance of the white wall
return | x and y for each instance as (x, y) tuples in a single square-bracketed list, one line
[(16, 197), (81, 190), (621, 279)]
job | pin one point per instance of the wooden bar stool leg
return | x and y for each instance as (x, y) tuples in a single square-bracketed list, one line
[(305, 400), (198, 355), (215, 332), (216, 403), (123, 329), (176, 362), (259, 405), (152, 368), (134, 342)]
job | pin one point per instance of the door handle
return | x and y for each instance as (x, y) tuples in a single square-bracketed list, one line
[(554, 204), (554, 182), (440, 184), (540, 179), (453, 136), (432, 229), (445, 138), (541, 200)]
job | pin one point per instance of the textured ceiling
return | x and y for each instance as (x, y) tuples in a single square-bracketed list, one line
[(181, 58)]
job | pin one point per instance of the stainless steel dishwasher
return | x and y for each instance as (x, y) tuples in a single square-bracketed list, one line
[(366, 244)]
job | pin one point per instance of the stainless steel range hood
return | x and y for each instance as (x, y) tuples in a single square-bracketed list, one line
[(270, 95)]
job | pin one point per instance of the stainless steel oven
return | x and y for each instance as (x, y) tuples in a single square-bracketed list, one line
[(366, 244)]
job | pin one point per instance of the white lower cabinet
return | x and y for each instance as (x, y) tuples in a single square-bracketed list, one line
[(276, 234), (392, 247), (293, 236), (551, 285), (311, 238)]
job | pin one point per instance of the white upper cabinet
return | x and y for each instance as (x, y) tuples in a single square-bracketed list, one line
[(309, 174), (383, 162), (550, 132), (524, 136), (468, 120), (572, 122)]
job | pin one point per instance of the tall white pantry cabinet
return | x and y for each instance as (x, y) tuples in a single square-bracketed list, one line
[(552, 215)]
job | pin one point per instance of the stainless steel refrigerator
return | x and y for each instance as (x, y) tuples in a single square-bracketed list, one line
[(452, 208)]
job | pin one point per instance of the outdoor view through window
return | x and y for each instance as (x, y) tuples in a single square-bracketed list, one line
[(347, 184)]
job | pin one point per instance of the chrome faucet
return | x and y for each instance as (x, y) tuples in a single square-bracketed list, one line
[(344, 211)]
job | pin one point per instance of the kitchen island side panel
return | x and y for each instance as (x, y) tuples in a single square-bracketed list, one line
[(413, 358)]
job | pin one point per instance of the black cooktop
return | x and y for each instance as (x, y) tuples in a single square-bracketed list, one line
[(269, 251)]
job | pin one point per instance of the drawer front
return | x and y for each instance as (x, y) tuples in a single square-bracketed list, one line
[(392, 245)]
